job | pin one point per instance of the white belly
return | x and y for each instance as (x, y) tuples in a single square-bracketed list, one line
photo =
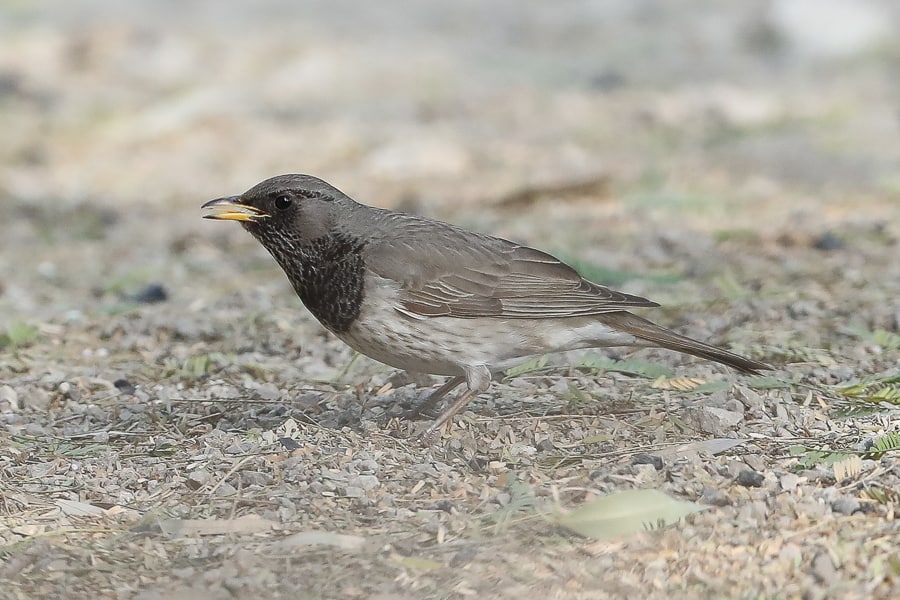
[(448, 345)]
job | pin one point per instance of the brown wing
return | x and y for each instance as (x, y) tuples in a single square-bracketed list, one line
[(446, 271)]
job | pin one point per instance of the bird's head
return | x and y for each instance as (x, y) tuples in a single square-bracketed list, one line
[(300, 207)]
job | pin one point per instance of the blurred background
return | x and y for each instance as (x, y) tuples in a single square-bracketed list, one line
[(595, 129)]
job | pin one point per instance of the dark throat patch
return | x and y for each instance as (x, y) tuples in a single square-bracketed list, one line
[(327, 273)]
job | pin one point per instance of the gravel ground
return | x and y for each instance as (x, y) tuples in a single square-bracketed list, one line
[(176, 425)]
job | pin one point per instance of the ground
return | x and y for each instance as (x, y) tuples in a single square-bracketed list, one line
[(176, 425)]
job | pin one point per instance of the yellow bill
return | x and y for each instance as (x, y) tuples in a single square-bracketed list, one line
[(231, 209)]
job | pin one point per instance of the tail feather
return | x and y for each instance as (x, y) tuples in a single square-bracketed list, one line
[(666, 338)]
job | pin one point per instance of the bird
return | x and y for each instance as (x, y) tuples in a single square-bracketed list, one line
[(430, 297)]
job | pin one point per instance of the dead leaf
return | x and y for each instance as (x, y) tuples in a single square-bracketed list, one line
[(73, 508), (847, 468), (626, 512), (323, 538), (711, 446), (681, 384), (195, 527)]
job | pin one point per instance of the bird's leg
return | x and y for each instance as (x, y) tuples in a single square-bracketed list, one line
[(478, 380), (434, 397), (431, 434)]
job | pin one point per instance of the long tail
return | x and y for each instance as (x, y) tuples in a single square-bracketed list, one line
[(666, 338)]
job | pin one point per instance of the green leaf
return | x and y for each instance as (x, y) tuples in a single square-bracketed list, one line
[(625, 513), (632, 366), (615, 277), (730, 287), (18, 334), (810, 457), (710, 387), (521, 499), (164, 449), (874, 389), (419, 564), (765, 382), (888, 442), (535, 364), (596, 439), (880, 337)]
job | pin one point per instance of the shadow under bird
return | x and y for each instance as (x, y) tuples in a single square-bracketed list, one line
[(429, 297)]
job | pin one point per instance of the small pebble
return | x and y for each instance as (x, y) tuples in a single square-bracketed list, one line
[(845, 505), (366, 465), (256, 478), (755, 462), (124, 386), (36, 399), (714, 497), (225, 489), (828, 242), (823, 568), (647, 459), (789, 482), (751, 399), (712, 420), (151, 294), (35, 429), (463, 557), (268, 391), (196, 479), (9, 398), (289, 443), (352, 491), (545, 445), (367, 482), (749, 478)]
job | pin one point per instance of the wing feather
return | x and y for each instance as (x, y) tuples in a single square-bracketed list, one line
[(443, 270)]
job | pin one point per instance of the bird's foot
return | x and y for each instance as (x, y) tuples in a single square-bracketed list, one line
[(433, 433), (432, 399)]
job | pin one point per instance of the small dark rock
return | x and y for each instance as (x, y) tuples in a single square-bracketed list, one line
[(10, 84), (546, 445), (197, 479), (124, 386), (152, 293), (828, 242), (278, 410), (69, 391), (608, 81), (288, 443), (749, 478), (714, 497), (463, 557), (647, 459), (845, 505), (867, 509), (256, 478)]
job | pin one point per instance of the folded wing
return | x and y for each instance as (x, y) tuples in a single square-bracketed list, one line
[(446, 271)]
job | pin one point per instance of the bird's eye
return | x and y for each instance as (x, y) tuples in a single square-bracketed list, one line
[(283, 202)]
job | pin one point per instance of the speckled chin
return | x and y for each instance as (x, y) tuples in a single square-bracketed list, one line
[(327, 273)]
